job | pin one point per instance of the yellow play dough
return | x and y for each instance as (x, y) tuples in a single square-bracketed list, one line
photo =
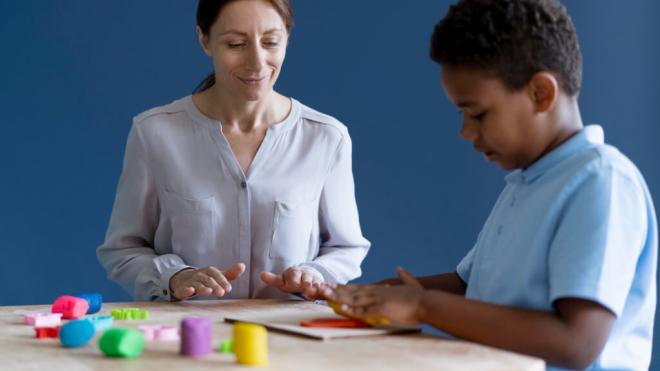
[(372, 320)]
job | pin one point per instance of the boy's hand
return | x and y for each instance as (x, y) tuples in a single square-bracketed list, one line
[(204, 282), (400, 304), (389, 282), (304, 280)]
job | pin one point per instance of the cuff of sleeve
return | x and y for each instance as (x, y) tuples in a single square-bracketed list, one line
[(612, 298), (328, 276), (168, 265), (165, 277)]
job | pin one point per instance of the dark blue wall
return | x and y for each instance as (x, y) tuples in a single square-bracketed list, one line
[(73, 73)]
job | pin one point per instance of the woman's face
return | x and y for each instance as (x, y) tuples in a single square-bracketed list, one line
[(248, 44)]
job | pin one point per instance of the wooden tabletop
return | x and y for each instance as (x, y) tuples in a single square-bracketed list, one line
[(20, 350)]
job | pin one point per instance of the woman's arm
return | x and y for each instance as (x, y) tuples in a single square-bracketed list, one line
[(342, 245), (127, 253)]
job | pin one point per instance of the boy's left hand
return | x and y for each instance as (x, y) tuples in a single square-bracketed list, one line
[(400, 304)]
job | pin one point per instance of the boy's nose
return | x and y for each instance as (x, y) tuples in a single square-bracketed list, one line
[(469, 131)]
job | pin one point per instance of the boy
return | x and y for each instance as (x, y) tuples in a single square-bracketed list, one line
[(565, 265)]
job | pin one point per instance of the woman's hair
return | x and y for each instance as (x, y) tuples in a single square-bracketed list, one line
[(208, 12)]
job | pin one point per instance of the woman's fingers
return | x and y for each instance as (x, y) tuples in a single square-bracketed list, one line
[(234, 271), (292, 278), (205, 281), (306, 279), (184, 292), (200, 289), (215, 276), (272, 279), (296, 280)]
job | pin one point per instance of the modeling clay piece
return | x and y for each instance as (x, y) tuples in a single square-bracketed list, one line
[(43, 319), (101, 322), (372, 320), (76, 333), (196, 336), (47, 332), (122, 342), (129, 314), (159, 332), (250, 344), (335, 323), (226, 346), (95, 301), (70, 307)]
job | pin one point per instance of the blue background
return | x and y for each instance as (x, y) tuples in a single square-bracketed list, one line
[(73, 73)]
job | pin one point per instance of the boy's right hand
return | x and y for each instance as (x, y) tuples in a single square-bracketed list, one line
[(389, 282), (204, 282)]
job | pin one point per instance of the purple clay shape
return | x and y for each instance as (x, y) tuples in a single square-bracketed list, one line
[(196, 336)]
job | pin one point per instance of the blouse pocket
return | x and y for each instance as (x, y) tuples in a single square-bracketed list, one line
[(192, 225), (292, 231)]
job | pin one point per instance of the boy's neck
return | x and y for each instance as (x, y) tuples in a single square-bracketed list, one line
[(566, 121)]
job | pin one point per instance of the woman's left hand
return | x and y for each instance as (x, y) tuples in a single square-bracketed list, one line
[(303, 280)]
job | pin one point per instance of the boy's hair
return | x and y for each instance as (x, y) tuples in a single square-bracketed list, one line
[(512, 40)]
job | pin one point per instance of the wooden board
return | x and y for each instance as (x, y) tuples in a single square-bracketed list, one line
[(288, 321)]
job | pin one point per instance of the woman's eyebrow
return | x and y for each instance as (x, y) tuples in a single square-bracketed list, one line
[(241, 33)]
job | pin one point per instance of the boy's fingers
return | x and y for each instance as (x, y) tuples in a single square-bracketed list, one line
[(352, 298), (364, 300), (407, 278), (272, 279)]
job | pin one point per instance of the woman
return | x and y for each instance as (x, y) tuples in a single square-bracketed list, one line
[(235, 191)]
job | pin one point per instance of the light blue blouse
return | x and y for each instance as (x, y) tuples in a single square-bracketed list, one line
[(577, 223), (184, 201)]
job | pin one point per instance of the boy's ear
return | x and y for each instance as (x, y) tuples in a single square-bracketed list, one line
[(203, 40), (543, 90)]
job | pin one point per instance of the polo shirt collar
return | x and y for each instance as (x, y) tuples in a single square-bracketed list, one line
[(589, 135)]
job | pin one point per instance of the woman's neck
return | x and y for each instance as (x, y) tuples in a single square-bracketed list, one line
[(238, 114)]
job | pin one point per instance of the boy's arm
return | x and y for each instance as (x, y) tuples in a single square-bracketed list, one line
[(572, 337), (450, 282)]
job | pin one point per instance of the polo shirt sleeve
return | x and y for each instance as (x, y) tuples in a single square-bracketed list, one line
[(465, 266), (599, 239)]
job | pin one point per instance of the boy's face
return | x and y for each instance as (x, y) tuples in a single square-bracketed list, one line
[(503, 125)]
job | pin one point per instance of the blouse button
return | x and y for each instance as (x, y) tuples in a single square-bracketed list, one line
[(243, 184)]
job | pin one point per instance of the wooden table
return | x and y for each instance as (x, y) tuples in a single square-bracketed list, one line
[(20, 350)]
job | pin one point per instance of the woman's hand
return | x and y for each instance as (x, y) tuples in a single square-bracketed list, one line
[(304, 280), (205, 281), (400, 304)]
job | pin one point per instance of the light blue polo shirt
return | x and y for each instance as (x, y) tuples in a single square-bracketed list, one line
[(577, 223)]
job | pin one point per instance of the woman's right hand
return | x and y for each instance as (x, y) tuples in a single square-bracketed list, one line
[(204, 281)]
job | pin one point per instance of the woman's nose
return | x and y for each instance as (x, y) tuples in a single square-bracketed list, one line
[(256, 58)]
